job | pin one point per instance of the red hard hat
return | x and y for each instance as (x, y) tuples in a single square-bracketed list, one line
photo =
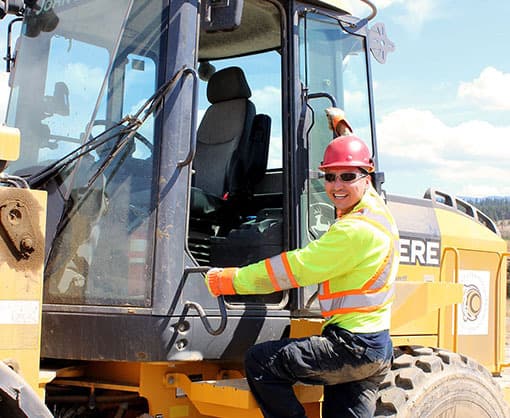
[(347, 151)]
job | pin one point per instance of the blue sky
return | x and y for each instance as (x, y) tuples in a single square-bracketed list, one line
[(443, 97)]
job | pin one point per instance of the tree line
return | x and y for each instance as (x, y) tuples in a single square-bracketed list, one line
[(496, 208)]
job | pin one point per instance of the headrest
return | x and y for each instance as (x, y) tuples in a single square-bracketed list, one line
[(228, 84), (205, 70)]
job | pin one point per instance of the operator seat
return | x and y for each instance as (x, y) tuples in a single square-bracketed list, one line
[(225, 127), (231, 153), (223, 132)]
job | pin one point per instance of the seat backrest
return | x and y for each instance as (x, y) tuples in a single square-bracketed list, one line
[(250, 164), (225, 127)]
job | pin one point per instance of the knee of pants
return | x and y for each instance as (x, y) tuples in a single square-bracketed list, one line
[(250, 358), (259, 352)]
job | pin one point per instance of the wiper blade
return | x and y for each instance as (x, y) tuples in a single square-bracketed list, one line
[(150, 106), (41, 177)]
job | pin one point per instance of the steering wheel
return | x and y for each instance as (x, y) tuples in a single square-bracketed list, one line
[(109, 123)]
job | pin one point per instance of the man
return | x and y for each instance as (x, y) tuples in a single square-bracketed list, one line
[(355, 264)]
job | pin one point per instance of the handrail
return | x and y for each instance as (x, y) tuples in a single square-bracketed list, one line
[(373, 11), (195, 305), (322, 95), (456, 280), (9, 59), (193, 135), (203, 316)]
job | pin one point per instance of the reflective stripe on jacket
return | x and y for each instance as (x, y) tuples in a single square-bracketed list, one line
[(378, 289), (355, 263)]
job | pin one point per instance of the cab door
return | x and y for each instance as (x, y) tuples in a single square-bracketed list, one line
[(333, 71)]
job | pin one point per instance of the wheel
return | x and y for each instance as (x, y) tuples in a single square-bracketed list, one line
[(17, 398), (433, 383)]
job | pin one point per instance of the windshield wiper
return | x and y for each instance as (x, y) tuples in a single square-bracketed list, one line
[(149, 107)]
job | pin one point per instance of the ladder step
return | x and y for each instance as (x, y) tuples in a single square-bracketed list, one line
[(222, 398)]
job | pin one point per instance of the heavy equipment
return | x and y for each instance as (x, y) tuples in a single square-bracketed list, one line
[(103, 310)]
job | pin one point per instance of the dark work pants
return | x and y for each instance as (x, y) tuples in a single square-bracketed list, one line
[(349, 370)]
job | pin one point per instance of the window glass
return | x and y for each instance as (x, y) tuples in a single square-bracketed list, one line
[(140, 81), (78, 83), (332, 65), (253, 226), (263, 73), (333, 68), (68, 108)]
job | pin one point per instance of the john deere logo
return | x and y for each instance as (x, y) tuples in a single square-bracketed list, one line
[(322, 217), (472, 302)]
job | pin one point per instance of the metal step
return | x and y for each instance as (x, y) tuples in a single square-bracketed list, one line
[(232, 397)]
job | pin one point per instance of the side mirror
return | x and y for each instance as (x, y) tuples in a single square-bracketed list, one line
[(11, 7), (59, 102), (220, 15), (40, 21)]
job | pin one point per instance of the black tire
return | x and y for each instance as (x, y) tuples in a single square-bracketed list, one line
[(17, 398), (432, 383)]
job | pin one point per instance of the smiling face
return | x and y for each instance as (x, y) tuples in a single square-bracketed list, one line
[(346, 194)]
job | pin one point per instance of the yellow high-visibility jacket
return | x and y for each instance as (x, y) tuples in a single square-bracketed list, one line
[(355, 263)]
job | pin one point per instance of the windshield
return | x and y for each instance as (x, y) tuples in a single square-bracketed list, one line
[(72, 80), (333, 62), (333, 65), (59, 78)]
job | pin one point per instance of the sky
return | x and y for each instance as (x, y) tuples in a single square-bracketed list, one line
[(442, 99)]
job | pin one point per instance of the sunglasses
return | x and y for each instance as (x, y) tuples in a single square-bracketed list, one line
[(344, 177)]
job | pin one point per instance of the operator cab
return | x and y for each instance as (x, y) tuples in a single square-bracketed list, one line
[(168, 147), (258, 216)]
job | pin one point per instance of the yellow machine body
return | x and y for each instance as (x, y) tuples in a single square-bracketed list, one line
[(105, 95), (21, 289)]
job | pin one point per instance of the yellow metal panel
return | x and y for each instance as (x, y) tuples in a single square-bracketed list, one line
[(417, 273), (479, 256), (415, 300), (232, 397), (463, 232), (423, 340), (179, 411), (9, 143), (21, 289), (165, 394), (232, 393)]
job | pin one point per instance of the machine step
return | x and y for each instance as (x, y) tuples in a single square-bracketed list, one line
[(232, 397)]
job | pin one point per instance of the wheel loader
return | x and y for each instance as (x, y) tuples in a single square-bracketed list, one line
[(148, 141)]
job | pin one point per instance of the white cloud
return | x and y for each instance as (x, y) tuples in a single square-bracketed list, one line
[(267, 98), (412, 14), (491, 90), (89, 79), (275, 153), (415, 13), (355, 99), (469, 159), (200, 116)]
